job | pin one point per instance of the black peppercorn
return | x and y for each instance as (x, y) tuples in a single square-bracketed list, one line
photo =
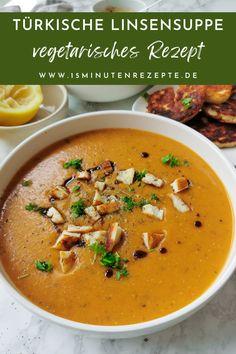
[(139, 254), (144, 154), (109, 273), (163, 250), (197, 223)]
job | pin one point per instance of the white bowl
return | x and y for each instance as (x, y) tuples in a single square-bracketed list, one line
[(124, 119), (104, 93), (132, 5), (53, 108)]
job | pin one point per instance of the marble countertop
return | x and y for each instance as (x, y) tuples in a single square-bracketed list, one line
[(210, 331)]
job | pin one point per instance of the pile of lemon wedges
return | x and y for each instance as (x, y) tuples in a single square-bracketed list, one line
[(19, 103)]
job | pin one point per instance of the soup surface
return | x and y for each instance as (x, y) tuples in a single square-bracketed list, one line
[(158, 246)]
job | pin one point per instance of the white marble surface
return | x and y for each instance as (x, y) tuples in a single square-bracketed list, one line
[(210, 331)]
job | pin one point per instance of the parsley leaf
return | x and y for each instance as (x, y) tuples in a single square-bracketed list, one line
[(154, 197), (139, 175), (170, 160), (26, 183), (75, 189), (76, 164), (36, 208), (131, 204), (187, 102), (44, 266), (98, 248), (77, 208), (109, 259), (186, 163), (122, 273)]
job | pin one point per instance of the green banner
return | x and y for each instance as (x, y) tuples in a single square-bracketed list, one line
[(121, 48)]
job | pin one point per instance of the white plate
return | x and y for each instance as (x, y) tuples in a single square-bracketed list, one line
[(140, 105)]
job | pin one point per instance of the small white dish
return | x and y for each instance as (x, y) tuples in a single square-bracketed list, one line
[(53, 108), (124, 119), (104, 93), (130, 6)]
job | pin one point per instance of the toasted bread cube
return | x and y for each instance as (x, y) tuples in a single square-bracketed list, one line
[(107, 167), (153, 240), (126, 176), (59, 192), (108, 208), (152, 180), (113, 236), (92, 213), (55, 216), (99, 199), (179, 204), (79, 229), (96, 236), (66, 240), (154, 211), (67, 260), (180, 184), (85, 175), (100, 186)]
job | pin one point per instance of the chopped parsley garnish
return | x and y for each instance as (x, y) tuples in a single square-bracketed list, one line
[(170, 160), (36, 208), (77, 208), (131, 204), (75, 189), (131, 190), (146, 96), (98, 248), (76, 164), (122, 273), (109, 259), (186, 163), (26, 183), (187, 102), (44, 266), (139, 175), (154, 197)]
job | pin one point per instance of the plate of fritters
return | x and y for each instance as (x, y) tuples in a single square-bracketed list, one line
[(209, 109)]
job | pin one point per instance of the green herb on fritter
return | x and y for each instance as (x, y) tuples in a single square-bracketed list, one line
[(187, 102), (139, 175)]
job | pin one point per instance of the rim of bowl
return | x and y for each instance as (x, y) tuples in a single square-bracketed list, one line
[(175, 316), (140, 2), (32, 124)]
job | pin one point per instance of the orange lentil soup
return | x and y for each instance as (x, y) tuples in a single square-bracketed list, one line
[(115, 227)]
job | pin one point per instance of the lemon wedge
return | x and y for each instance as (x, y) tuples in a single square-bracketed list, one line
[(19, 103)]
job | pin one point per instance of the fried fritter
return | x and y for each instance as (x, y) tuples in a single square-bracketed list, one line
[(218, 94), (224, 112), (181, 105), (222, 134)]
